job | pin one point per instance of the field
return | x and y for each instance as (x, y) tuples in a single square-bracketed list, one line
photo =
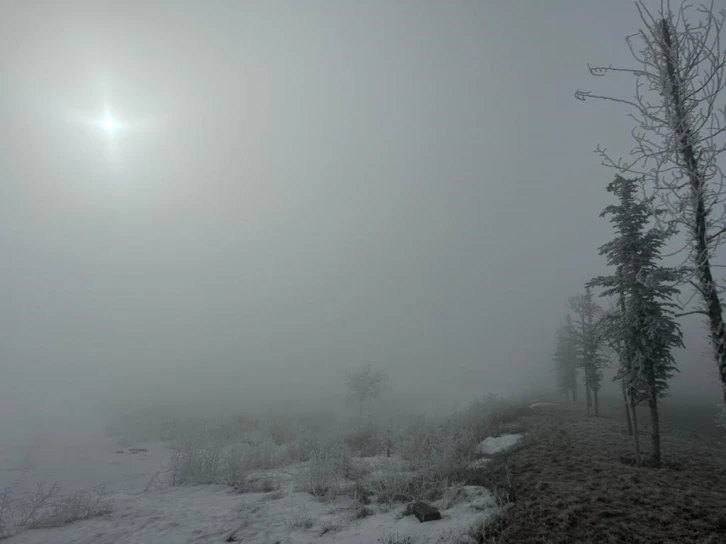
[(573, 483), (533, 472), (297, 480)]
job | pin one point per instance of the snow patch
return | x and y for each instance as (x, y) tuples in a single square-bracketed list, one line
[(214, 513), (498, 444)]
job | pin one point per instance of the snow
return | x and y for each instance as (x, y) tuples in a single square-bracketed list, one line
[(213, 513), (203, 514), (536, 404), (498, 444)]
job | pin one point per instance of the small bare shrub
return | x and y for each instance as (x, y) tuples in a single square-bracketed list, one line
[(154, 479), (45, 507), (366, 441), (451, 496), (302, 522), (262, 454), (6, 515), (234, 467), (327, 470), (70, 508), (328, 526), (392, 486), (361, 512), (395, 538), (194, 462), (30, 506)]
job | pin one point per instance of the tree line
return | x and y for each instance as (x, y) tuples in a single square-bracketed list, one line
[(671, 185)]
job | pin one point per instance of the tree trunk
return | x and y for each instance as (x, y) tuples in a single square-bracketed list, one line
[(654, 427), (627, 410), (588, 396), (699, 224), (653, 407), (585, 357), (594, 399), (636, 438), (574, 392)]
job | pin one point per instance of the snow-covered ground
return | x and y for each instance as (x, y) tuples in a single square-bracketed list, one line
[(214, 513), (143, 513), (498, 444)]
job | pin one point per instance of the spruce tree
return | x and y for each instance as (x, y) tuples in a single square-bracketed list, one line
[(589, 342), (645, 328), (565, 359)]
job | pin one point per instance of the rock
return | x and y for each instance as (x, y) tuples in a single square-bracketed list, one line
[(425, 512)]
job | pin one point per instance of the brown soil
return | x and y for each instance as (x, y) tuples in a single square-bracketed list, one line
[(572, 484)]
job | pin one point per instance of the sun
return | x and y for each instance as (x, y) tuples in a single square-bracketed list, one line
[(109, 124)]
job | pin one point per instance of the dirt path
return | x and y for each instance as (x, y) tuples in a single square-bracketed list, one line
[(571, 485)]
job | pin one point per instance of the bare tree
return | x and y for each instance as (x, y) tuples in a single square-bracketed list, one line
[(365, 384), (679, 136)]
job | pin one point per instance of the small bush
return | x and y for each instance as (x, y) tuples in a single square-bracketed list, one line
[(6, 515), (68, 509), (327, 470), (302, 522), (393, 486), (365, 442), (361, 512), (395, 538), (234, 465), (45, 507), (195, 462), (327, 526)]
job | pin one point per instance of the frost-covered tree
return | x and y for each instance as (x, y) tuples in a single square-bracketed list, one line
[(589, 342), (558, 358), (365, 384), (644, 329), (680, 137), (565, 360)]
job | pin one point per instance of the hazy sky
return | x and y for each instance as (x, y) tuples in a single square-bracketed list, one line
[(303, 187)]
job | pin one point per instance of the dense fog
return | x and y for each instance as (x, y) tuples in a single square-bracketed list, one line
[(297, 189)]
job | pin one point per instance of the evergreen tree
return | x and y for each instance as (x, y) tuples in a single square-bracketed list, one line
[(645, 328), (678, 147), (589, 342), (565, 359), (570, 356), (560, 363)]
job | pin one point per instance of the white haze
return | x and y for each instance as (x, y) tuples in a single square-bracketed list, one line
[(304, 187)]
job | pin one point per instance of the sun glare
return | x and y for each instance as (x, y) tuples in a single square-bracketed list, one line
[(109, 125)]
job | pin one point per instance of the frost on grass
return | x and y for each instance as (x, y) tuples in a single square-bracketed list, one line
[(214, 513), (291, 482), (46, 507)]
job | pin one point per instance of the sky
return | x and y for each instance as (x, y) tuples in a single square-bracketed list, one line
[(301, 188)]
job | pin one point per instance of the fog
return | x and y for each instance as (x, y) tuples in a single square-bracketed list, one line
[(301, 188)]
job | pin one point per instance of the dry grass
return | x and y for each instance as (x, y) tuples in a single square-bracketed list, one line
[(571, 486)]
